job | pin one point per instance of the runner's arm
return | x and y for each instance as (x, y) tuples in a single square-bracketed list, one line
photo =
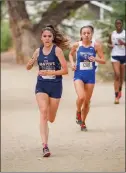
[(64, 68), (33, 59), (99, 49), (72, 52), (110, 42)]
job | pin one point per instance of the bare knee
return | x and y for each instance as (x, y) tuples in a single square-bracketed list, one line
[(81, 98), (43, 118), (87, 104), (43, 115)]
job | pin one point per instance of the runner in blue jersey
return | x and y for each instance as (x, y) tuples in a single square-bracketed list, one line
[(92, 43), (52, 65), (84, 71)]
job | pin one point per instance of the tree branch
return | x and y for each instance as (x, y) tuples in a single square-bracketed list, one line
[(64, 10)]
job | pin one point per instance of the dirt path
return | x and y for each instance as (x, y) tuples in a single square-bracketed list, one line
[(99, 149)]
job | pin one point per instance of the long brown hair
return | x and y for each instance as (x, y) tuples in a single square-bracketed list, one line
[(60, 39)]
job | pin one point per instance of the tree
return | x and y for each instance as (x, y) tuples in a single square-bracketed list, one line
[(25, 34)]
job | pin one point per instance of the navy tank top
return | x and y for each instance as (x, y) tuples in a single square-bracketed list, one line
[(49, 62)]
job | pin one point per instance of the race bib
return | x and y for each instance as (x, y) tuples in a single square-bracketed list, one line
[(86, 65), (49, 77), (120, 46)]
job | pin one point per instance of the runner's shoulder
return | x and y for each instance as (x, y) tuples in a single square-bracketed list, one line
[(98, 43)]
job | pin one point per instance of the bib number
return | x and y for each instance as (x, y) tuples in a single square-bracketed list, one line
[(49, 77), (86, 65)]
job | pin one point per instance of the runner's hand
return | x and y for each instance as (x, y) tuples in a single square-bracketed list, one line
[(31, 62), (92, 58), (46, 72), (73, 66), (42, 72), (120, 42)]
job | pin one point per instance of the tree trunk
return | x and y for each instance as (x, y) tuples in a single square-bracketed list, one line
[(25, 43), (26, 37), (23, 36)]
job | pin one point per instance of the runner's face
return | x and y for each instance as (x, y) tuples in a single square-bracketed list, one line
[(118, 25), (86, 34), (47, 38)]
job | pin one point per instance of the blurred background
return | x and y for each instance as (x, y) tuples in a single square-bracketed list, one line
[(22, 21)]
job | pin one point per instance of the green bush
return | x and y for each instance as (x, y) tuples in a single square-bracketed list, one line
[(6, 40), (66, 54)]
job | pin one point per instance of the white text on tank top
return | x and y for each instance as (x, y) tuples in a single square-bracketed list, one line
[(46, 65), (118, 50)]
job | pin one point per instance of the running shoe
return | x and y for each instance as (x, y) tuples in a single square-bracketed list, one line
[(46, 152), (83, 127), (78, 117), (120, 94)]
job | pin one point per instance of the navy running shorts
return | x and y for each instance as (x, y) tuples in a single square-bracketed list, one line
[(121, 59), (53, 89)]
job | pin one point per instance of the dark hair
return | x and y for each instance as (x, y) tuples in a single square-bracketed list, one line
[(119, 20), (59, 38), (87, 26)]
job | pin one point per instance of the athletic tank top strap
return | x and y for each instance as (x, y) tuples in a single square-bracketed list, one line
[(93, 43), (80, 43), (53, 49), (40, 51), (51, 52)]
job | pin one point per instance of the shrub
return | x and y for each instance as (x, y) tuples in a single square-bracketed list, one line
[(6, 40)]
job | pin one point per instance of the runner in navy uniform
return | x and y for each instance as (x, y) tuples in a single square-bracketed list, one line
[(52, 65)]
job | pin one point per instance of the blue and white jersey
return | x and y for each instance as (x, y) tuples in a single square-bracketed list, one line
[(82, 58)]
